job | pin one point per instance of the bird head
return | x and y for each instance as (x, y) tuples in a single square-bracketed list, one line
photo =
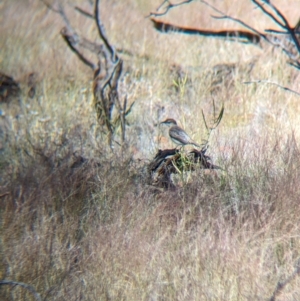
[(169, 121)]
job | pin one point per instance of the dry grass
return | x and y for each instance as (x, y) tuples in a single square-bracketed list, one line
[(97, 231)]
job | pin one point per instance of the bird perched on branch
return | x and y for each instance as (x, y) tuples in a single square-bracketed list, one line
[(177, 134)]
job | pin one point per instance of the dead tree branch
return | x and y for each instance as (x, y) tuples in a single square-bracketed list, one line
[(101, 31), (284, 24), (241, 35), (71, 41), (85, 13), (290, 48), (106, 71), (171, 161), (271, 83), (167, 7), (224, 16), (30, 288)]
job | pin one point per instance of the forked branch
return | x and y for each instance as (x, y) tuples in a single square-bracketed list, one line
[(284, 24), (268, 8), (166, 5), (106, 70)]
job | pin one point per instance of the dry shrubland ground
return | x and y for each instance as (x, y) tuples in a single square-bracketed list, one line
[(99, 232)]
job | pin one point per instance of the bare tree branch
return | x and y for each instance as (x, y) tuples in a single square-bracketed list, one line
[(294, 63), (224, 16), (280, 32), (265, 11), (110, 75), (285, 25), (85, 13), (107, 70), (278, 44), (281, 16), (102, 33), (30, 288), (167, 8), (280, 20), (69, 39), (271, 83)]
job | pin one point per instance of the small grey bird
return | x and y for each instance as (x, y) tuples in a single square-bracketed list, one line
[(177, 134)]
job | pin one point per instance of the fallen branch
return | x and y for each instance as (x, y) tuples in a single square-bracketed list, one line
[(171, 161), (244, 36), (288, 48)]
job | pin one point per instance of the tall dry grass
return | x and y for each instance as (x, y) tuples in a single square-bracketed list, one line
[(94, 229)]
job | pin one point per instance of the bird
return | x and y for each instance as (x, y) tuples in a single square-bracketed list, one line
[(177, 134)]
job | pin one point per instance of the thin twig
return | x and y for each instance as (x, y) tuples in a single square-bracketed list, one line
[(167, 8), (81, 10), (287, 25), (68, 39), (85, 13), (24, 285), (224, 16), (272, 83), (265, 11), (283, 24), (280, 32)]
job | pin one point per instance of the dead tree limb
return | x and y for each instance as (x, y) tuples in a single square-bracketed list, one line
[(106, 70), (241, 35), (285, 25), (101, 32), (171, 161), (71, 42), (28, 287), (85, 13), (167, 7), (290, 48)]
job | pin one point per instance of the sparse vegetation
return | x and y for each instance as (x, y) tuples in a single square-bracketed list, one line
[(80, 222)]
